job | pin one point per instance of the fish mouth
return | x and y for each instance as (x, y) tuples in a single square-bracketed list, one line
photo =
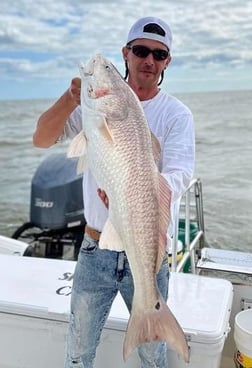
[(87, 70)]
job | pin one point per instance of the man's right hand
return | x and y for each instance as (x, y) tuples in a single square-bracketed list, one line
[(51, 122), (75, 90)]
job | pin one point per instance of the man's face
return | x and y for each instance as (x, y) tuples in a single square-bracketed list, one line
[(144, 67)]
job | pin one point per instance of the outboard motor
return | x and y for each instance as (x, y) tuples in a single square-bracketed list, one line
[(56, 194), (56, 225)]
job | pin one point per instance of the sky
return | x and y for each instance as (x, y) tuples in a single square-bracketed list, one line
[(42, 42)]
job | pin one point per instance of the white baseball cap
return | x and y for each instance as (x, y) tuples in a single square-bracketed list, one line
[(141, 29)]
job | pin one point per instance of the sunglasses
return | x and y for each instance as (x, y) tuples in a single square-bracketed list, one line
[(143, 51)]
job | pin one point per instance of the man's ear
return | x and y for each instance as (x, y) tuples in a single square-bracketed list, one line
[(125, 52), (168, 61)]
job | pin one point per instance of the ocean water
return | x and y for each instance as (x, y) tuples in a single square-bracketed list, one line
[(223, 125)]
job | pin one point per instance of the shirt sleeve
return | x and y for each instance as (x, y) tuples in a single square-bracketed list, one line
[(178, 154), (73, 125)]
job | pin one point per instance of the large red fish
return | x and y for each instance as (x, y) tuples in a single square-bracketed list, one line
[(121, 152)]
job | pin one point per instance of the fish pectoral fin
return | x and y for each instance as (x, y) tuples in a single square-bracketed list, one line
[(106, 132), (158, 324), (164, 218), (110, 238), (78, 146)]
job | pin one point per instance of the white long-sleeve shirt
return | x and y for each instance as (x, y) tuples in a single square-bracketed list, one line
[(172, 123)]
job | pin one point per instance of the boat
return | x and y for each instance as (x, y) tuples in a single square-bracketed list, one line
[(208, 289)]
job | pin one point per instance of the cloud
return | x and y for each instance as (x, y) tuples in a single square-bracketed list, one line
[(46, 39)]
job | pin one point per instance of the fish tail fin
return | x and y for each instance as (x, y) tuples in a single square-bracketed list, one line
[(156, 325)]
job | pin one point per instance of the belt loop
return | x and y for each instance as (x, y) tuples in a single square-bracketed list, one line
[(120, 265), (120, 261)]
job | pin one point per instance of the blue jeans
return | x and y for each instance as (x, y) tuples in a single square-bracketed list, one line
[(99, 275)]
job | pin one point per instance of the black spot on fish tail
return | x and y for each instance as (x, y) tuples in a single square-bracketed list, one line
[(157, 306)]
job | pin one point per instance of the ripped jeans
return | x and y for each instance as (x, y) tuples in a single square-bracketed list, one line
[(99, 275)]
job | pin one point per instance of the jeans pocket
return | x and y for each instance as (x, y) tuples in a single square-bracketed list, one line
[(88, 245)]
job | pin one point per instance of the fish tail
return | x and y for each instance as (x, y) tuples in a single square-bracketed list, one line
[(156, 325)]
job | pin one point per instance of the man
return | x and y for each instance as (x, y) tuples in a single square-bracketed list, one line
[(100, 274)]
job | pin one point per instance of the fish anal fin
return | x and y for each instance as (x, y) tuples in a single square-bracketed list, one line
[(164, 218), (155, 325), (110, 238)]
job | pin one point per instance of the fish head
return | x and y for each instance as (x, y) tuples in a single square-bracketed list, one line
[(103, 88)]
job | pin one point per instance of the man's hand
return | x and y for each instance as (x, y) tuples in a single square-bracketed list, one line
[(103, 197), (75, 90)]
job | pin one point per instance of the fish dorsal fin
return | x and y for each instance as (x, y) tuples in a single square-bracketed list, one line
[(106, 132), (156, 148), (164, 218), (110, 238)]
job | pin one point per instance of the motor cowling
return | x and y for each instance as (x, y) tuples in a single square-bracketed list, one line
[(56, 194)]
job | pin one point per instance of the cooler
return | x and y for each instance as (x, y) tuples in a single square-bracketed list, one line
[(202, 306), (34, 311), (34, 314)]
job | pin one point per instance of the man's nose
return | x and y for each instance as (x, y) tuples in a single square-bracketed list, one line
[(149, 59)]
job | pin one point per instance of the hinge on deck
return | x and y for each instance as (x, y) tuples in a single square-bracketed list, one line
[(246, 304)]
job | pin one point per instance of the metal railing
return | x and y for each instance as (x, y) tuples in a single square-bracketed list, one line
[(190, 208)]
